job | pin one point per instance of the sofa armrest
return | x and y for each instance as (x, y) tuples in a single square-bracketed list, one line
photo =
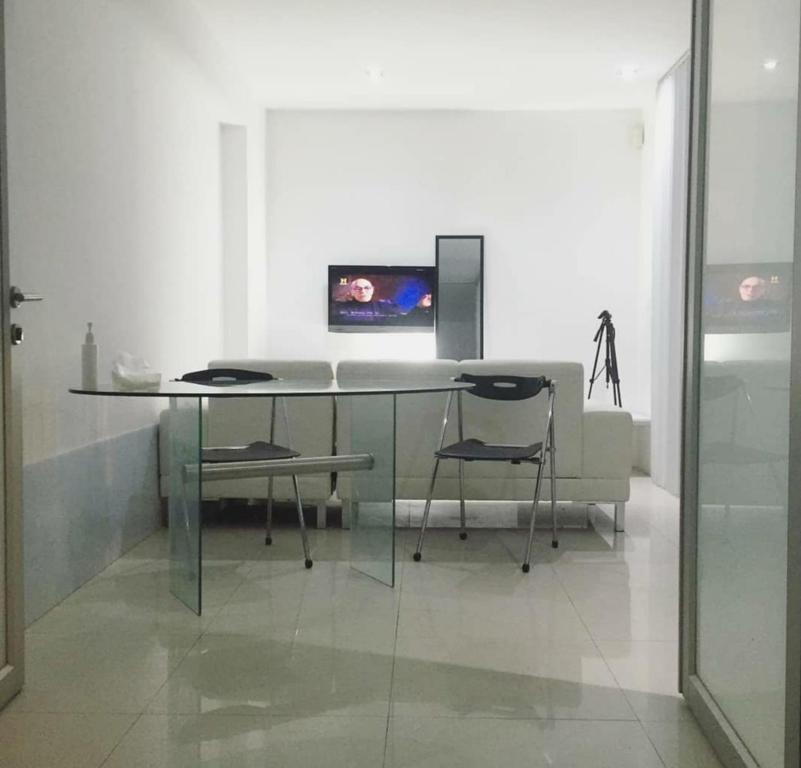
[(607, 449)]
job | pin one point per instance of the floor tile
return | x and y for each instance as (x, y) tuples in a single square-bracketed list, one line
[(633, 614), (482, 582), (232, 674), (138, 599), (98, 672), (648, 674), (450, 619), (442, 743), (581, 579), (682, 745), (63, 740), (242, 741), (455, 666)]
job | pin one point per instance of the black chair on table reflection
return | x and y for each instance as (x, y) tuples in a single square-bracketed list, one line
[(256, 451), (501, 388)]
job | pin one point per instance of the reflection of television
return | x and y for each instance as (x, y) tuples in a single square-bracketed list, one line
[(381, 299), (747, 298)]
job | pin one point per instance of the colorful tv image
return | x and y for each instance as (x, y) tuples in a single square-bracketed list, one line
[(747, 298), (366, 299)]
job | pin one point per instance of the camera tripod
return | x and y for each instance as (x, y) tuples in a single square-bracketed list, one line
[(610, 359)]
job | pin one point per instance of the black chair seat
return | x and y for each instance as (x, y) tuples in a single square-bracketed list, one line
[(477, 450), (258, 451)]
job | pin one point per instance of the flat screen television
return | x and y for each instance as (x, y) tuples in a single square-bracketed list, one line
[(747, 298), (381, 299)]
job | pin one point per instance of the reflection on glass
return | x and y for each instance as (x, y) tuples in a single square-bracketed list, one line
[(372, 430), (185, 527), (744, 388)]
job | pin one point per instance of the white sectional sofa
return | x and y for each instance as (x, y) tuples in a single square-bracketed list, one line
[(593, 444)]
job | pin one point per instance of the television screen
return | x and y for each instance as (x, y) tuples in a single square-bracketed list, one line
[(381, 298), (747, 298)]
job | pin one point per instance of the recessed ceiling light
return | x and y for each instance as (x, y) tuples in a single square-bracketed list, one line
[(628, 72), (374, 74), (770, 64)]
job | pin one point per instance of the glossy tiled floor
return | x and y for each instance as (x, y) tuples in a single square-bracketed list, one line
[(468, 662)]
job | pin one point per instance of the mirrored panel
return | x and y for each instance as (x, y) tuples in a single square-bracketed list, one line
[(372, 431), (184, 504), (460, 321)]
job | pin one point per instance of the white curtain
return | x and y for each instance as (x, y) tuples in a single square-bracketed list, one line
[(671, 161)]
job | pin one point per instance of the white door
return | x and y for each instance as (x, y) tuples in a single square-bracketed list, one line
[(11, 592)]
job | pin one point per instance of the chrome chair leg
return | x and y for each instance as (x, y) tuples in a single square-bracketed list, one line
[(555, 539), (462, 516), (527, 560), (268, 535), (303, 535), (419, 551)]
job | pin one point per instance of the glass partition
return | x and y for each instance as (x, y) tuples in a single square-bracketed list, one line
[(742, 349), (185, 500), (372, 430)]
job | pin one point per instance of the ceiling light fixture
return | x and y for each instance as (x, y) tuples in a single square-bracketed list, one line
[(374, 74), (628, 72), (770, 64)]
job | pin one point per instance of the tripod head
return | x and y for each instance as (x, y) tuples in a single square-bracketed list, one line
[(606, 323)]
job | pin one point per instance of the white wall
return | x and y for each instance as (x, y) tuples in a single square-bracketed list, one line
[(557, 195), (114, 113)]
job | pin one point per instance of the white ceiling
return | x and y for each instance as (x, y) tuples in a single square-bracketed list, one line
[(450, 54)]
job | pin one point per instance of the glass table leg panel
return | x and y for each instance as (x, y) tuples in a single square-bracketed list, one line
[(185, 498), (372, 430)]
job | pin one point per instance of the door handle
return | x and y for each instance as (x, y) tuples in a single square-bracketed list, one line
[(18, 296)]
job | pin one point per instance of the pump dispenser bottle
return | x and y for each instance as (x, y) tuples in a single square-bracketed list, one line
[(89, 361)]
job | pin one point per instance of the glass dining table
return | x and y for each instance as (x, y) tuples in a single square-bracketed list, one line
[(369, 456)]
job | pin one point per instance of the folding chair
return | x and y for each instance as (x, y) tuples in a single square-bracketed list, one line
[(256, 451), (501, 388)]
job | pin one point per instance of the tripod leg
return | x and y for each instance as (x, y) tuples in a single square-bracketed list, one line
[(593, 375), (615, 376)]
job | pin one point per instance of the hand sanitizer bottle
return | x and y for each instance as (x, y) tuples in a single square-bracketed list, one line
[(89, 361)]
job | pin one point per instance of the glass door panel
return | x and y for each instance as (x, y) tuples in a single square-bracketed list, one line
[(744, 377)]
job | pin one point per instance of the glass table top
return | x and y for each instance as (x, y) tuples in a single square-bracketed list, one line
[(274, 388)]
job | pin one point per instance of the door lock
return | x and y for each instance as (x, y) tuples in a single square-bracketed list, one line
[(17, 335)]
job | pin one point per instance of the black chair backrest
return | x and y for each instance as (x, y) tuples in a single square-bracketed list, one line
[(222, 376), (504, 387)]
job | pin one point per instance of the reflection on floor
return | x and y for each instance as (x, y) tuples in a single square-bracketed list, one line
[(468, 662)]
